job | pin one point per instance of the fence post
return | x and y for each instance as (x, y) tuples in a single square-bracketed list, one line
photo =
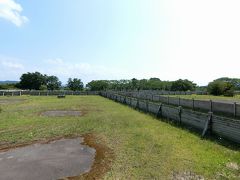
[(159, 113), (168, 99), (208, 124), (193, 104), (20, 93), (124, 100), (179, 101), (235, 109), (3, 93), (210, 105), (137, 105), (180, 114), (12, 93), (147, 103)]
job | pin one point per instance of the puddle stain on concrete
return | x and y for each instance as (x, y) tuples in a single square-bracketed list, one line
[(54, 160)]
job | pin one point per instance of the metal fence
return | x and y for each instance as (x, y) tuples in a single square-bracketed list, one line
[(228, 109), (206, 122), (46, 93)]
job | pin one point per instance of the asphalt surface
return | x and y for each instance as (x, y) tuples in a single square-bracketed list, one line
[(58, 159)]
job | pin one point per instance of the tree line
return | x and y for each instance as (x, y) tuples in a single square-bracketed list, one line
[(143, 84), (37, 81)]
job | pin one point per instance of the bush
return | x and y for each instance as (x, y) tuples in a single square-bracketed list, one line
[(229, 93), (183, 85), (219, 88)]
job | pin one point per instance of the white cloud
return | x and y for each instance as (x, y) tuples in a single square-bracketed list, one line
[(85, 71), (10, 68), (12, 65), (11, 11)]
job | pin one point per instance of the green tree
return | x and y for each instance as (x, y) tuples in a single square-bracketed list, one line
[(134, 84), (98, 85), (155, 84), (75, 84), (234, 81), (183, 85), (53, 83), (218, 87), (32, 80)]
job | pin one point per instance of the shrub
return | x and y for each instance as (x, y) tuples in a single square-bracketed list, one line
[(229, 93), (183, 85), (219, 88)]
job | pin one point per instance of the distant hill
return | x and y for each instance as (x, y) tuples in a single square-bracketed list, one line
[(8, 82)]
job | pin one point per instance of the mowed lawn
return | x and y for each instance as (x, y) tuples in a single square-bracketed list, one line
[(144, 147)]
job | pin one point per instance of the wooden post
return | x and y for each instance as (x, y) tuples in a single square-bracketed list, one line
[(179, 101), (168, 99), (235, 109), (3, 93), (12, 93)]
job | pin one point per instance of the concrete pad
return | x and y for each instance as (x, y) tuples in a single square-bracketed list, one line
[(57, 159)]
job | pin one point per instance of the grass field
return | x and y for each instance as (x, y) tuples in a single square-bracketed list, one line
[(236, 98), (144, 147)]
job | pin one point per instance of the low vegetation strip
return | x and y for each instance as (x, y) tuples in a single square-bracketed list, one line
[(143, 147)]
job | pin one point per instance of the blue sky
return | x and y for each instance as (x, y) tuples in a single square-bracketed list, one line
[(120, 39)]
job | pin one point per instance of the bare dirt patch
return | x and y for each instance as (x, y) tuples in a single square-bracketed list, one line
[(187, 175), (10, 101), (61, 113), (103, 159), (232, 165)]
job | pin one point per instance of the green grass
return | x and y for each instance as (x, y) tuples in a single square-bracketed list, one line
[(144, 147), (236, 98)]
